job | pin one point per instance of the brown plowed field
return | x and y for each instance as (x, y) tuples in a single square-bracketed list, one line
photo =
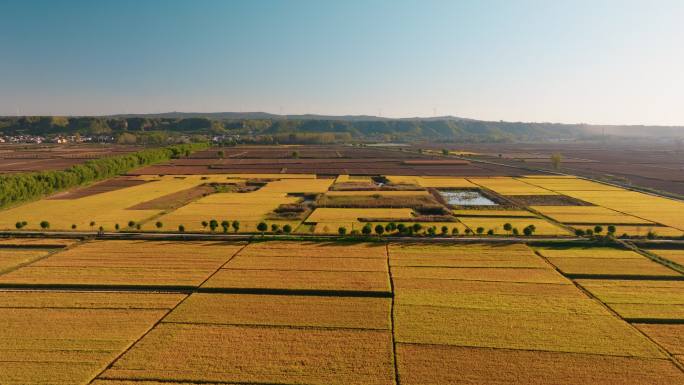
[(324, 160), (24, 158)]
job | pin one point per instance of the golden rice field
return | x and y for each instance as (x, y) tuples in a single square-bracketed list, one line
[(641, 300), (588, 214), (428, 181), (543, 227), (494, 213), (633, 213), (510, 186), (325, 312), (676, 256)]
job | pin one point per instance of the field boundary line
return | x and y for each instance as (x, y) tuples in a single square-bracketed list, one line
[(392, 323), (159, 321), (50, 253), (591, 296), (653, 257)]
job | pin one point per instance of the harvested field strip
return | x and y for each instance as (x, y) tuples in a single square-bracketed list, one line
[(464, 256), (108, 185), (87, 300), (510, 186), (375, 250), (649, 312), (275, 310), (12, 258), (335, 215), (644, 267), (299, 280), (197, 353), (676, 256), (543, 227), (642, 299), (128, 263), (440, 364), (574, 184), (174, 200), (383, 193), (494, 213), (588, 252), (307, 264), (436, 182), (588, 214), (670, 337), (482, 274), (377, 201), (521, 297), (598, 334), (41, 341), (36, 242)]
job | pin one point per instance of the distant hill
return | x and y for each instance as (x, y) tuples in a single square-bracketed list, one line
[(265, 127)]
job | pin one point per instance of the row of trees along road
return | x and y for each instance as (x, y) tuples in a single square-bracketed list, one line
[(17, 188)]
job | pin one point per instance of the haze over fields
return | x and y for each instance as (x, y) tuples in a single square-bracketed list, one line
[(596, 62)]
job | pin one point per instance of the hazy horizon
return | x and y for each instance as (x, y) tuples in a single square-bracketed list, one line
[(594, 62)]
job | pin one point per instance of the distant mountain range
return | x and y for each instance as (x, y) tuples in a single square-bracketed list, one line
[(358, 127)]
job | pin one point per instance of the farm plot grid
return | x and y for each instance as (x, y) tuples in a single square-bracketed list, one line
[(333, 203), (293, 312)]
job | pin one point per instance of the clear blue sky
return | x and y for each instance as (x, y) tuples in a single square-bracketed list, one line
[(563, 61)]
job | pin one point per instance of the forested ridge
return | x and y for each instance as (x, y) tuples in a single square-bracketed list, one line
[(342, 128), (16, 188)]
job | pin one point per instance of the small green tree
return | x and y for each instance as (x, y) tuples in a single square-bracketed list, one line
[(468, 231), (379, 229), (73, 226), (18, 225), (117, 227), (205, 224), (480, 230), (454, 231), (589, 232), (445, 230), (528, 231), (287, 229), (181, 228), (92, 223), (159, 225), (44, 225), (131, 224), (138, 226), (508, 227), (490, 232), (213, 224), (516, 231), (367, 229), (275, 227), (225, 225), (651, 234), (295, 154), (262, 227), (236, 226), (445, 151), (579, 232), (598, 229), (342, 230), (611, 229), (431, 230), (401, 228), (417, 227)]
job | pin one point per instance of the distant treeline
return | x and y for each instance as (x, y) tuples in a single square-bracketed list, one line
[(16, 188), (292, 130)]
